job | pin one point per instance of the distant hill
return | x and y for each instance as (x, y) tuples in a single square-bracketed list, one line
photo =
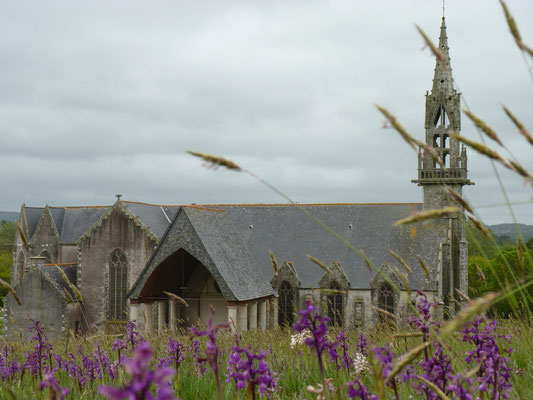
[(510, 230), (9, 215)]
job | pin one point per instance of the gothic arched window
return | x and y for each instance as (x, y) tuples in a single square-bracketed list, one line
[(118, 286), (386, 301), (335, 305), (20, 265), (286, 302), (47, 257)]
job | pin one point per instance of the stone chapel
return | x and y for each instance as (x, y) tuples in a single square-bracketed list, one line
[(80, 268)]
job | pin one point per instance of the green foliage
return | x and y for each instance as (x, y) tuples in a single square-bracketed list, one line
[(7, 236), (478, 243), (505, 267)]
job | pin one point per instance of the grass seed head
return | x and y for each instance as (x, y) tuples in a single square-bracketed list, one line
[(480, 148), (178, 299), (401, 261), (434, 387), (439, 55), (215, 161), (514, 30), (396, 125), (521, 128), (274, 263), (428, 215), (468, 313), (515, 166), (320, 264), (479, 225), (11, 290), (424, 267), (22, 236), (70, 284), (459, 200), (405, 360), (483, 126), (481, 274)]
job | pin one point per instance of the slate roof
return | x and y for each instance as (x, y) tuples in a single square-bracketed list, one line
[(230, 254), (249, 232), (72, 222), (58, 214), (77, 220), (33, 214), (252, 231), (155, 217), (57, 279), (291, 234)]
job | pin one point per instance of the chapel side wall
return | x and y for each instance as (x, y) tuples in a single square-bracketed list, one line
[(116, 232), (68, 253), (40, 302)]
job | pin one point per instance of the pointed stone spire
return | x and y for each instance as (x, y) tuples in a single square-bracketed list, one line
[(443, 117), (442, 80)]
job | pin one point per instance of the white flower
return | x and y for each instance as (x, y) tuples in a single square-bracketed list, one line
[(360, 364), (299, 338)]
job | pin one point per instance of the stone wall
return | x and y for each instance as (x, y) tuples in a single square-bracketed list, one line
[(68, 253), (116, 231), (40, 302)]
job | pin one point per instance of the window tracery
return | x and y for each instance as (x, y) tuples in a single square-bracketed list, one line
[(118, 286)]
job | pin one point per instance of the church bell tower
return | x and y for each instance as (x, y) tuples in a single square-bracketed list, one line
[(443, 117)]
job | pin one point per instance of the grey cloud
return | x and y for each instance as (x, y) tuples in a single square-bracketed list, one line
[(98, 98)]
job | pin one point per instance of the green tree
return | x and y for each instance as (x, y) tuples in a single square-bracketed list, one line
[(7, 237)]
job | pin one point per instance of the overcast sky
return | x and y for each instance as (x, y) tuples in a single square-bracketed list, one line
[(105, 97)]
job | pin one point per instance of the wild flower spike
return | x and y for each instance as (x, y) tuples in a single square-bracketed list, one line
[(56, 391), (216, 161), (142, 378)]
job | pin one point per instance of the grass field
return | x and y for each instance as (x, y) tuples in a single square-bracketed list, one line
[(83, 365)]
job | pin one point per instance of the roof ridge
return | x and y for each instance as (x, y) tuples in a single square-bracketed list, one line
[(67, 207), (202, 208), (150, 204), (308, 204)]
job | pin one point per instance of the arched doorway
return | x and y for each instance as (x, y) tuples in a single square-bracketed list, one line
[(183, 275)]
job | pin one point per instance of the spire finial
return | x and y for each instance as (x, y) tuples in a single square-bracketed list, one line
[(443, 8)]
